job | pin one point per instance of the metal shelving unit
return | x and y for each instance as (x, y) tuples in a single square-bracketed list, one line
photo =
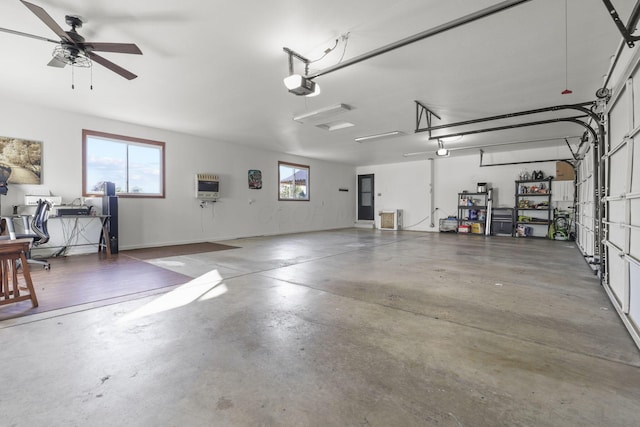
[(533, 210), (472, 212)]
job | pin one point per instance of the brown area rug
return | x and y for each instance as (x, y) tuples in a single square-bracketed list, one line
[(175, 250), (94, 278), (82, 279)]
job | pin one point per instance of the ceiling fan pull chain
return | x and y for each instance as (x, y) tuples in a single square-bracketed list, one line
[(73, 86), (91, 74)]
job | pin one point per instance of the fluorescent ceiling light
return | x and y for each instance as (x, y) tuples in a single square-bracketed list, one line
[(419, 153), (451, 138), (331, 126), (379, 135), (323, 112)]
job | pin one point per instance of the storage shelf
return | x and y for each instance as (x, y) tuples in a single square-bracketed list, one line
[(466, 209), (530, 181), (544, 211), (533, 223)]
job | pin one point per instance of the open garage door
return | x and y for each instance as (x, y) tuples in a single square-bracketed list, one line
[(621, 201), (586, 238)]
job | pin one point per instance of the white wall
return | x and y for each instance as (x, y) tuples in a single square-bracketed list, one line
[(407, 186), (403, 186), (179, 218)]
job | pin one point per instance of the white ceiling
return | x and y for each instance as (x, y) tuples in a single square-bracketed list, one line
[(215, 69)]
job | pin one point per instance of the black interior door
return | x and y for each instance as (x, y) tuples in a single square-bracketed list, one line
[(365, 197)]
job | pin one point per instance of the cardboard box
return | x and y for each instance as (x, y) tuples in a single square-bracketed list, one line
[(564, 172), (477, 228)]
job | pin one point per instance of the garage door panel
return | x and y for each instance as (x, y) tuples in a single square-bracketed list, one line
[(634, 237), (636, 101), (616, 215), (634, 249), (635, 212), (619, 119), (621, 273), (585, 215), (634, 293), (617, 273), (616, 235), (616, 184), (618, 177), (635, 179)]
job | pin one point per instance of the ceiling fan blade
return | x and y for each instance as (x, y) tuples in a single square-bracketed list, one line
[(48, 20), (20, 33), (56, 63), (113, 67), (114, 47)]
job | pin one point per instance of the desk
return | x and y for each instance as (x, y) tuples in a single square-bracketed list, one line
[(73, 232)]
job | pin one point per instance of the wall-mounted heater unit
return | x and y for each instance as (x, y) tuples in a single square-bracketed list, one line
[(207, 186), (391, 220)]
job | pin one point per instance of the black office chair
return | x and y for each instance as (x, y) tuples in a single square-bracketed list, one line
[(35, 228)]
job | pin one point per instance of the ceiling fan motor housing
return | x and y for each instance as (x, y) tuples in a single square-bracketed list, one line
[(74, 21)]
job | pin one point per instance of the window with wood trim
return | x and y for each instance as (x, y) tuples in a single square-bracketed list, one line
[(293, 181), (134, 165)]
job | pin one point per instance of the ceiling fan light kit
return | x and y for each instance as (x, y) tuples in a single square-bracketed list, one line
[(72, 48), (69, 56)]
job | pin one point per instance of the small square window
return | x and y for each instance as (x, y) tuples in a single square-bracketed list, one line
[(293, 181)]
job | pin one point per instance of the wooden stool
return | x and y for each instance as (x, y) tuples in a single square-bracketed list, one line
[(10, 252)]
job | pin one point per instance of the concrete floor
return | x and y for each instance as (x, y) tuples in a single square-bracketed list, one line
[(349, 327)]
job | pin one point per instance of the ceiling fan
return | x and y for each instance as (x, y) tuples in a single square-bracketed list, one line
[(72, 48)]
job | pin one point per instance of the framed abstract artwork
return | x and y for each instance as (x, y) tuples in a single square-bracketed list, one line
[(255, 179)]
